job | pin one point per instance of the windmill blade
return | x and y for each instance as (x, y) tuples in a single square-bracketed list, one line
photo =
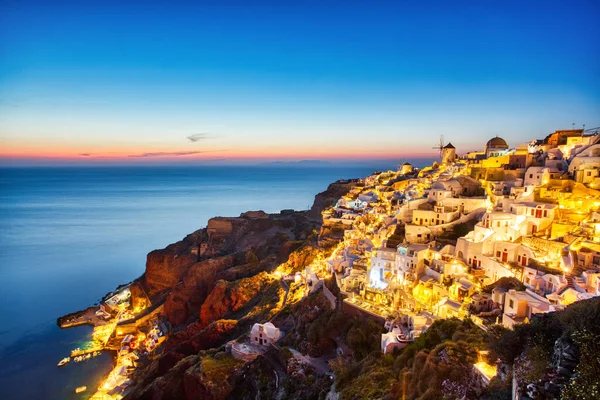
[(440, 146)]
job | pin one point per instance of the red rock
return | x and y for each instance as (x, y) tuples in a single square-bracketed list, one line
[(166, 267), (194, 337), (229, 297)]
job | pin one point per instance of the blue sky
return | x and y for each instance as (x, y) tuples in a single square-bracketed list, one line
[(300, 80)]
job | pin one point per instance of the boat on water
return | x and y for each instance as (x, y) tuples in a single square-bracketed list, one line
[(81, 389), (64, 361)]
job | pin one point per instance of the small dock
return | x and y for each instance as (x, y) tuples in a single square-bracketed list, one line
[(82, 352)]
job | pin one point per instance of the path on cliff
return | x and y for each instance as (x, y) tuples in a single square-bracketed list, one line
[(287, 291), (279, 369), (320, 364)]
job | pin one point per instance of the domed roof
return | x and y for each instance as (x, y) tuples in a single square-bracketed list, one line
[(497, 143), (407, 163), (449, 146)]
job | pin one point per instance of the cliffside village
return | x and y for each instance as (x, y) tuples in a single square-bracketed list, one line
[(497, 236), (436, 242)]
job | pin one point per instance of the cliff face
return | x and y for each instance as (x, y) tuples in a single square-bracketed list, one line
[(164, 268), (195, 337), (227, 298), (196, 283), (221, 271), (227, 249)]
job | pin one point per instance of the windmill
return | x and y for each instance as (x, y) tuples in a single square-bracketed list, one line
[(440, 146)]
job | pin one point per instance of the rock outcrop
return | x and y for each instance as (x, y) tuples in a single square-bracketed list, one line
[(164, 268), (227, 298), (229, 249), (195, 337), (198, 281)]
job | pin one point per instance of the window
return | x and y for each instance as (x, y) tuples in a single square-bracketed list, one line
[(530, 176), (511, 303), (589, 173)]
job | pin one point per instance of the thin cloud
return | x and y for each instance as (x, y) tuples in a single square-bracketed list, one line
[(197, 137), (172, 153), (85, 154), (166, 154)]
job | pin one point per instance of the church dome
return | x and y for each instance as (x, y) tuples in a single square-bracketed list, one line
[(497, 143)]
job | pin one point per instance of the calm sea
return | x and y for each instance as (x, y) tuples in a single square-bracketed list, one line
[(69, 235)]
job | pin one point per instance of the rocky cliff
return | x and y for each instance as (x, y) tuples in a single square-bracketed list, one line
[(227, 249), (216, 283), (164, 268)]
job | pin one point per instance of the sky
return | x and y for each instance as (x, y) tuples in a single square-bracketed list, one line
[(102, 81)]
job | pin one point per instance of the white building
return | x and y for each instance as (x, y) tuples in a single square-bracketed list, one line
[(537, 176), (520, 306), (592, 281), (382, 268), (418, 234), (440, 215), (585, 166), (541, 283), (356, 205), (264, 334), (408, 259), (391, 341), (369, 197)]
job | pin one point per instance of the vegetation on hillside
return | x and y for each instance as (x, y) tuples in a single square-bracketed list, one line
[(556, 355), (439, 362)]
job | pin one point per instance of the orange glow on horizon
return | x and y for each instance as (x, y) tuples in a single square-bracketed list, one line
[(123, 154)]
